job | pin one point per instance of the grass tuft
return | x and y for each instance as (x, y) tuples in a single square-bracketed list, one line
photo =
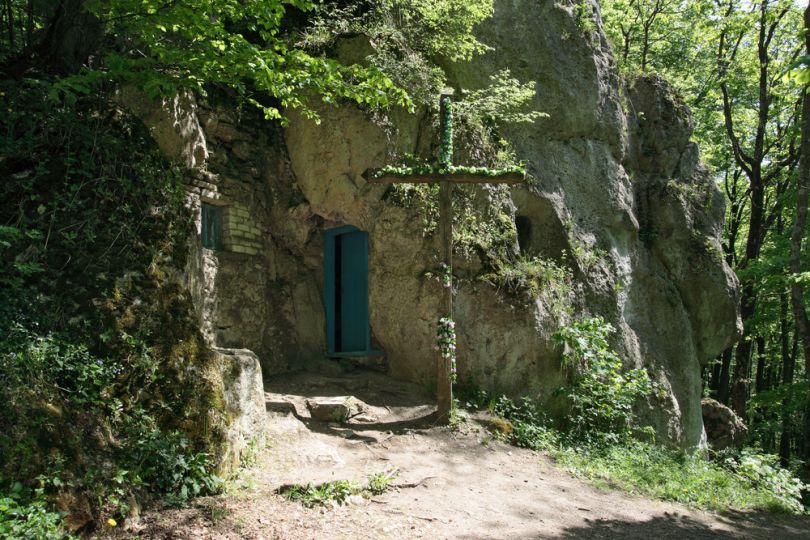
[(747, 482), (338, 491)]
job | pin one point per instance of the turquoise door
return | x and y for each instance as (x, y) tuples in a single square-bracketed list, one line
[(346, 292)]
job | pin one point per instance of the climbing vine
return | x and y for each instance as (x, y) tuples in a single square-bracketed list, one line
[(446, 275)]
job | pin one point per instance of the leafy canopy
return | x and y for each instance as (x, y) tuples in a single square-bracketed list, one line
[(443, 28), (409, 39), (168, 45)]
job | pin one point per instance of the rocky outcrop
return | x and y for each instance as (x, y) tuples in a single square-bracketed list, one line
[(724, 429), (619, 196)]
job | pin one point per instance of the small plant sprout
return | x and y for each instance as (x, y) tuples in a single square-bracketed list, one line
[(339, 492), (379, 483)]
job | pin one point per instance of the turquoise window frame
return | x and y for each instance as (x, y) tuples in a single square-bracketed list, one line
[(211, 230)]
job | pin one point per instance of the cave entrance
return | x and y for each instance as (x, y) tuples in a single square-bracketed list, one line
[(524, 233), (348, 332)]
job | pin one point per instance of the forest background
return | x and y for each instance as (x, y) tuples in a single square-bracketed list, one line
[(737, 65)]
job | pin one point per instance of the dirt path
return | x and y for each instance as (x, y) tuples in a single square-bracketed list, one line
[(464, 486)]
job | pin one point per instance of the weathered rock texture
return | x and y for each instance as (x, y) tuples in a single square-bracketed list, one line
[(619, 188), (724, 428), (243, 391), (618, 177), (334, 408)]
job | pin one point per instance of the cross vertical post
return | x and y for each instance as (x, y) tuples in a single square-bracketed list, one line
[(445, 174), (444, 385)]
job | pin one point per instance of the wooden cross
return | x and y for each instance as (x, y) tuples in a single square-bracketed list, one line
[(445, 175)]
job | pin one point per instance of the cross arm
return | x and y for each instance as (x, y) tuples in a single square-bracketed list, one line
[(457, 175)]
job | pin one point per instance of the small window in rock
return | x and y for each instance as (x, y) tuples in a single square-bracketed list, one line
[(211, 226), (524, 233)]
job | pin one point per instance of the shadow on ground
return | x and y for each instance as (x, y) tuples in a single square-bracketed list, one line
[(675, 526), (387, 404)]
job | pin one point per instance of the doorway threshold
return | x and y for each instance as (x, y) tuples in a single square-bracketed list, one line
[(354, 354)]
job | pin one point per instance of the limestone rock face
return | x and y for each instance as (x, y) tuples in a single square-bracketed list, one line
[(173, 123), (724, 428), (619, 180), (619, 196)]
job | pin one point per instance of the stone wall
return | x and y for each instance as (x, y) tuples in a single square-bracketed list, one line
[(242, 231), (230, 284)]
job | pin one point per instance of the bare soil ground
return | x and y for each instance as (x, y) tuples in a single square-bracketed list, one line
[(451, 484)]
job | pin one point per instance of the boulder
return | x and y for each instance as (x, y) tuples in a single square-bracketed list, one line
[(243, 394), (724, 429), (334, 408)]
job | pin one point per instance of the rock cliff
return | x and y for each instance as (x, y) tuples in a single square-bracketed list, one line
[(617, 172), (619, 197)]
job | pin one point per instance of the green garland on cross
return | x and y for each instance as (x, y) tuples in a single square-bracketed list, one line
[(425, 169), (445, 165)]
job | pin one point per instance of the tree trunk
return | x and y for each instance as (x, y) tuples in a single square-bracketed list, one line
[(10, 26), (796, 238), (29, 23), (756, 162), (788, 367), (752, 165), (71, 37), (760, 377), (626, 47), (742, 358), (67, 41), (645, 47)]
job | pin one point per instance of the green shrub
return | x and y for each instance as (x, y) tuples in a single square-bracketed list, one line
[(534, 436), (524, 410), (473, 398), (541, 278), (28, 517), (765, 474), (337, 491), (322, 494), (379, 483), (165, 463), (601, 394), (101, 364), (530, 427)]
